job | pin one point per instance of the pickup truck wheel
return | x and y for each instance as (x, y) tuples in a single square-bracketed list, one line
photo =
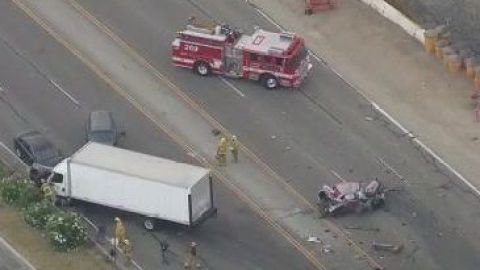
[(18, 153), (149, 224), (202, 68)]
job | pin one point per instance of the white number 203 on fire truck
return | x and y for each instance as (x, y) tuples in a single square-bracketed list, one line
[(192, 48)]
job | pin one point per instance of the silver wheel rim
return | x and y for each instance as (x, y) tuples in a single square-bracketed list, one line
[(148, 224), (202, 69), (271, 83)]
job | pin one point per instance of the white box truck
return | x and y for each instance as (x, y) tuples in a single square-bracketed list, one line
[(154, 187)]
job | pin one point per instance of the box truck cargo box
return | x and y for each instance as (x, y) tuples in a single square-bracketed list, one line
[(154, 187)]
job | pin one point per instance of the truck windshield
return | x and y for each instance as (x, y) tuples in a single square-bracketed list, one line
[(297, 59)]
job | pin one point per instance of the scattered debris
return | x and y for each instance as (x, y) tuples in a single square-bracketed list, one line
[(288, 148), (327, 249), (216, 132), (368, 118), (386, 247), (362, 228), (273, 137), (414, 214), (439, 234), (314, 239)]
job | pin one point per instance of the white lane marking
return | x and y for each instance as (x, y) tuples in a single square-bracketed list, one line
[(383, 112), (233, 87), (338, 176), (444, 163), (390, 168), (18, 255), (268, 18), (391, 119), (58, 87)]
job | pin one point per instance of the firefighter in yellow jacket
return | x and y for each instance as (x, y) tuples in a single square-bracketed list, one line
[(119, 231), (222, 151), (127, 251), (47, 191)]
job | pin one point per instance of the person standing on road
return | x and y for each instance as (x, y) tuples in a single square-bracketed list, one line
[(234, 148), (192, 257), (47, 191), (164, 247), (119, 231), (127, 251), (222, 152)]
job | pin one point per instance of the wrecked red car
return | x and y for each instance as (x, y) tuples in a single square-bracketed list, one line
[(346, 197)]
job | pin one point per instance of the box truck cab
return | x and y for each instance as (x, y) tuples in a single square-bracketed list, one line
[(154, 187)]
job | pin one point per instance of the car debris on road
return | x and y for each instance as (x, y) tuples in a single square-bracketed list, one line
[(377, 246), (359, 228), (350, 197)]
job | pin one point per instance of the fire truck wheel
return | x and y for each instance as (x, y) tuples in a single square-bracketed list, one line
[(269, 81), (202, 68)]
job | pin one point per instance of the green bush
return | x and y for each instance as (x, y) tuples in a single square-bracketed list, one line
[(66, 231), (37, 214), (18, 192)]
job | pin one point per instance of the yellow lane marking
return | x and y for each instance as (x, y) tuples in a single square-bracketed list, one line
[(162, 127), (217, 125)]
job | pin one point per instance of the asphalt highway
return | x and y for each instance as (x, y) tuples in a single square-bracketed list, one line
[(47, 89), (320, 134)]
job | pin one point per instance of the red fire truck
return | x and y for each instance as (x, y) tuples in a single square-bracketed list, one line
[(273, 59)]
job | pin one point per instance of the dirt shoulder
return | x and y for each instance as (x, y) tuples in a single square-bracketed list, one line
[(30, 243)]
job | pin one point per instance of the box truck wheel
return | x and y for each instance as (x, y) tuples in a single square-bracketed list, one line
[(149, 224)]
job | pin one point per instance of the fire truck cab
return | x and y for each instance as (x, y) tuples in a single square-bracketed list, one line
[(273, 59)]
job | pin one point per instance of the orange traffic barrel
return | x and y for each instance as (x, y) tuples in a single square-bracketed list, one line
[(470, 67), (439, 45), (446, 51), (431, 36), (477, 78), (454, 63), (464, 54)]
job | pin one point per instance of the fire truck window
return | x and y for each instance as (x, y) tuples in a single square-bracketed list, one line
[(267, 59), (279, 61), (253, 57)]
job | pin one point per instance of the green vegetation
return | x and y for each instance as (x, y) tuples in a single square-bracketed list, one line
[(64, 230)]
